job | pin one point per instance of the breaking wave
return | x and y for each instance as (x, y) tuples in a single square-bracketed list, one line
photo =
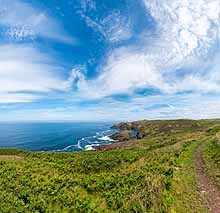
[(88, 143)]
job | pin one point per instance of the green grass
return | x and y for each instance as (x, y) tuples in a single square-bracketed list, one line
[(212, 159), (154, 174), (185, 188), (7, 151)]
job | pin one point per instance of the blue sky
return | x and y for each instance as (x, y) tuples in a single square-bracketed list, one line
[(109, 60)]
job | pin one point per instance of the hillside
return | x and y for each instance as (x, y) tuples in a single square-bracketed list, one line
[(161, 169)]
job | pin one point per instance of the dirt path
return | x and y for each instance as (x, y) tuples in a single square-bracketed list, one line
[(206, 185)]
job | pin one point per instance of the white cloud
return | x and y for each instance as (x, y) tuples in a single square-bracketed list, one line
[(88, 5), (114, 27), (24, 69), (11, 98), (204, 78), (189, 27), (22, 21), (194, 106), (123, 72), (186, 32)]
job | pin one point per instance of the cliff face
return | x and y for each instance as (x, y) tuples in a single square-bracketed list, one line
[(123, 126), (122, 135), (146, 128)]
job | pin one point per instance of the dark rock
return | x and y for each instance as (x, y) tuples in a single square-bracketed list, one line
[(123, 135), (123, 126)]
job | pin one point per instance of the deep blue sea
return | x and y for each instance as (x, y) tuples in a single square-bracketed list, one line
[(55, 136)]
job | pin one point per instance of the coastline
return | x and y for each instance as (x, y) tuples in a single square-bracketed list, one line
[(125, 132), (60, 137), (136, 130)]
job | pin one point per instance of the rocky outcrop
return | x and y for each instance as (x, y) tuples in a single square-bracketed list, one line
[(132, 131), (123, 135), (123, 126), (127, 131), (148, 128)]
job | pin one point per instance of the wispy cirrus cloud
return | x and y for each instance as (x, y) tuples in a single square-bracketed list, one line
[(178, 57), (20, 21), (114, 27), (185, 36), (25, 71), (29, 72)]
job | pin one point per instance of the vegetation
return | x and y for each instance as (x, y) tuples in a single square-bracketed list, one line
[(212, 156), (184, 186), (153, 174)]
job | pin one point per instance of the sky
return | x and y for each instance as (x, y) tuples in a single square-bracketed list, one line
[(93, 60)]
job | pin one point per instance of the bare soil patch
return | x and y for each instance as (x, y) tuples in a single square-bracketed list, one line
[(206, 185)]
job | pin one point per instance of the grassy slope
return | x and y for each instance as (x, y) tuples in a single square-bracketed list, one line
[(211, 155), (154, 174), (184, 187)]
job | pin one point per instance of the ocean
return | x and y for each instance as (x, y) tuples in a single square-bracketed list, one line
[(66, 136)]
